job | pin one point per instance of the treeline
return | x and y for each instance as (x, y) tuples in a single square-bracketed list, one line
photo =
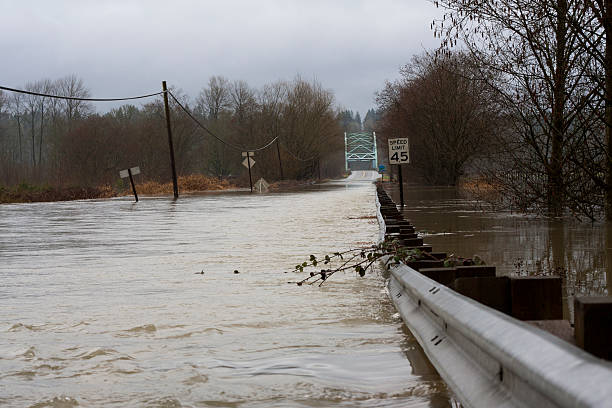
[(66, 143), (525, 107), (351, 121)]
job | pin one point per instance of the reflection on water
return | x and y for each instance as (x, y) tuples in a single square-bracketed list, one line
[(581, 253), (101, 306)]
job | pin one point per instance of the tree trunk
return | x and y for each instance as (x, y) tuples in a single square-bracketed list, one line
[(42, 121), (607, 17), (555, 168), (32, 117), (19, 135)]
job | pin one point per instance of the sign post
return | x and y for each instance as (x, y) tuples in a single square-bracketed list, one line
[(381, 170), (399, 153), (130, 173), (248, 163)]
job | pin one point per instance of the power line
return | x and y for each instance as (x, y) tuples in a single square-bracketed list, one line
[(236, 147), (74, 98)]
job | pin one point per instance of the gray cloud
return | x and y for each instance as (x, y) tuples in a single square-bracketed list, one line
[(126, 47)]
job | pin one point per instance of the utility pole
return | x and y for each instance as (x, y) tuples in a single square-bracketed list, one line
[(169, 127), (280, 163), (249, 162)]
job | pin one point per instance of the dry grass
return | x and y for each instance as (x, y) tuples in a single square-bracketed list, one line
[(288, 185), (480, 189), (191, 183), (25, 193)]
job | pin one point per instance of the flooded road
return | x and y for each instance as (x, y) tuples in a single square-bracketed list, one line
[(101, 306), (580, 252)]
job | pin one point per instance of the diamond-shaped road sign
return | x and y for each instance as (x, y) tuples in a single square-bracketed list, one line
[(246, 162), (262, 185)]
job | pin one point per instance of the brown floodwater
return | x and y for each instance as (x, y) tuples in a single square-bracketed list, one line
[(101, 306), (517, 244)]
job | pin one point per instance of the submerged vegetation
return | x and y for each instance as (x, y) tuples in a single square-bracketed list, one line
[(361, 259)]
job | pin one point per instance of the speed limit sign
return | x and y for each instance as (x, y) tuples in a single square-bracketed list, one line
[(399, 151)]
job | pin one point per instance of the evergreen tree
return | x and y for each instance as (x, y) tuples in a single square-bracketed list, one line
[(358, 122)]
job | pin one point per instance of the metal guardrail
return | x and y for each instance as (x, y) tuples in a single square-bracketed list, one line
[(490, 359)]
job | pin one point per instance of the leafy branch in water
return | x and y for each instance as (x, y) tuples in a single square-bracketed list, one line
[(453, 260), (357, 259)]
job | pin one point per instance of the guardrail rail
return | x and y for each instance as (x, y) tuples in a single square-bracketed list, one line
[(490, 359)]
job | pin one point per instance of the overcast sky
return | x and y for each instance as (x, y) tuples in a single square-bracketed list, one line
[(127, 47)]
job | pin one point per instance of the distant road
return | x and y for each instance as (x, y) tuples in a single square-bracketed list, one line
[(363, 175)]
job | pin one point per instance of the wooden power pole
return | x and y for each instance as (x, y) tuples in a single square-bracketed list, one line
[(172, 163)]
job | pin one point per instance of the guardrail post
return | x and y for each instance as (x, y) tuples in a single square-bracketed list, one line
[(491, 291), (444, 276), (593, 325), (536, 298)]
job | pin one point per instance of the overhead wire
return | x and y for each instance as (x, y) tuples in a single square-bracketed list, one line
[(76, 98), (234, 146)]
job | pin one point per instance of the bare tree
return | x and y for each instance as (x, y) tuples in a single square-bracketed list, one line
[(73, 86), (32, 104), (528, 54), (271, 106), (215, 98), (594, 37), (310, 128), (16, 107), (446, 115), (46, 86), (243, 101)]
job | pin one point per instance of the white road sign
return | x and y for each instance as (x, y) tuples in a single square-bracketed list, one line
[(262, 185), (246, 161), (399, 152), (124, 173)]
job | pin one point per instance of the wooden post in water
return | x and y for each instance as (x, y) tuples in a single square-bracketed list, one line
[(133, 185), (168, 126)]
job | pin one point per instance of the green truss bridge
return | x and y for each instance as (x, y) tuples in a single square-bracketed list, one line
[(360, 151)]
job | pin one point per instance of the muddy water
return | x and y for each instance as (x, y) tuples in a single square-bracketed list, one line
[(100, 305), (581, 253)]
